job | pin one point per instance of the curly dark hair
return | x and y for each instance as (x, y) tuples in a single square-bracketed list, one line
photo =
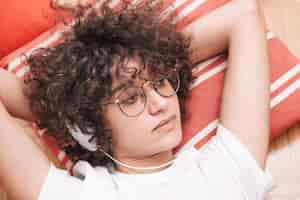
[(68, 82)]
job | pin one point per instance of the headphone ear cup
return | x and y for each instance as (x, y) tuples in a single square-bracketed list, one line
[(85, 140)]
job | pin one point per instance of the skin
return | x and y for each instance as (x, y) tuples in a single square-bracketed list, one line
[(244, 108)]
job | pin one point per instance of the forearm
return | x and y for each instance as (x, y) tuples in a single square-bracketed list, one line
[(18, 153), (13, 98), (210, 34)]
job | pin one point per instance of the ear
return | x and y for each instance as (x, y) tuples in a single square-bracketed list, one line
[(106, 123)]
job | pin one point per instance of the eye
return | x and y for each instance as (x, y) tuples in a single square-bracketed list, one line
[(130, 96), (130, 100), (160, 83)]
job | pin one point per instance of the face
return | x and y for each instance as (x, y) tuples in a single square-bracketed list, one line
[(136, 137)]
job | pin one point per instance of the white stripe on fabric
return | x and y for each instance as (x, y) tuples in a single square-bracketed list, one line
[(208, 74), (199, 136), (188, 10), (274, 86), (134, 2), (16, 62), (203, 65), (154, 3), (171, 8), (285, 77), (112, 4), (43, 44), (22, 71), (285, 93)]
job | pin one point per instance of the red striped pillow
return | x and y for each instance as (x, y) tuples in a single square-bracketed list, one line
[(209, 83), (16, 18)]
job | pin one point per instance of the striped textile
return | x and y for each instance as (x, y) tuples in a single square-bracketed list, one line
[(16, 16), (207, 89)]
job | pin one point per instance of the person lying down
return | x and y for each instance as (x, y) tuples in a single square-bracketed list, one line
[(113, 95)]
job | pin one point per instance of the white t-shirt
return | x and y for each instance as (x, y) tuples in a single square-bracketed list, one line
[(222, 169)]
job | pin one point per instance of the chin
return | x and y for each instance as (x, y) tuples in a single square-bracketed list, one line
[(172, 140)]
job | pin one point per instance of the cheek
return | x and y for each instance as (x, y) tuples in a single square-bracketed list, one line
[(131, 131), (131, 138), (126, 131)]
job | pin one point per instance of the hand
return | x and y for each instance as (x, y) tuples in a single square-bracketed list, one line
[(15, 101)]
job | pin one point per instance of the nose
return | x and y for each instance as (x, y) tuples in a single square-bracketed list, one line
[(155, 102)]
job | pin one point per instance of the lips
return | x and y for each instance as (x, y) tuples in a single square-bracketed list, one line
[(163, 122)]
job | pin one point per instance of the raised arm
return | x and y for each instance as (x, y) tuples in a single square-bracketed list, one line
[(24, 166), (246, 96), (239, 26)]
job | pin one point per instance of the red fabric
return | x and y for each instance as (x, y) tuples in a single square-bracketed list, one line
[(22, 21)]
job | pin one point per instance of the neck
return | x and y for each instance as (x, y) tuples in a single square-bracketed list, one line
[(147, 161)]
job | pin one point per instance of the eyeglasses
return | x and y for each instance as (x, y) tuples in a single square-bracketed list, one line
[(132, 99)]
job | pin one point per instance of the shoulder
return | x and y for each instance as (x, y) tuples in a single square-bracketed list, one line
[(96, 181), (60, 184), (87, 182)]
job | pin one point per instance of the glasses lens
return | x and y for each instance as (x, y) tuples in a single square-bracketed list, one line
[(169, 85), (132, 101)]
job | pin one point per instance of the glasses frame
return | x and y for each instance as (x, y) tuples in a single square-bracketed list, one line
[(146, 82)]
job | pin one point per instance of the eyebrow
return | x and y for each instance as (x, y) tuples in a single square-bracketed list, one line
[(118, 88), (121, 86), (128, 82)]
